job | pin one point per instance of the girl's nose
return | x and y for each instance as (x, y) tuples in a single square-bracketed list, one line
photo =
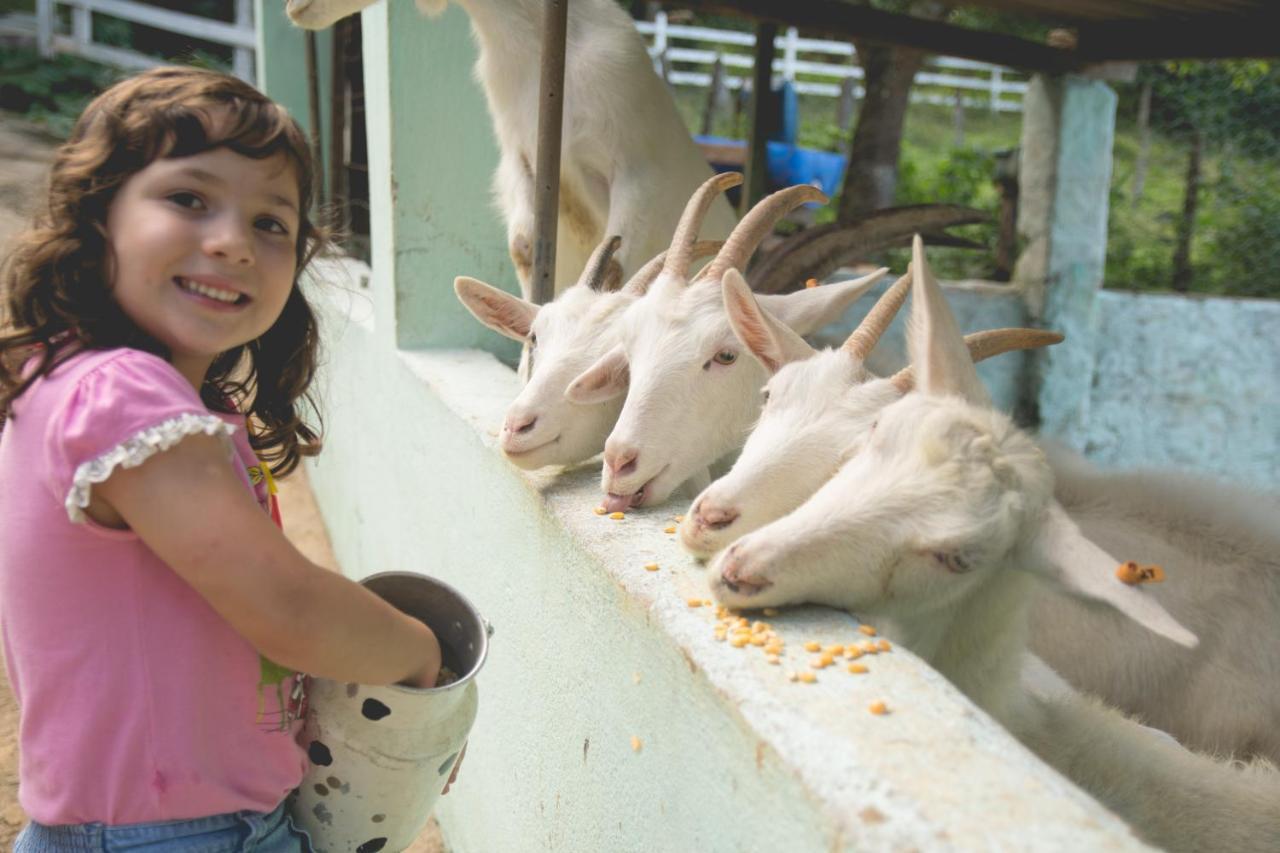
[(230, 240)]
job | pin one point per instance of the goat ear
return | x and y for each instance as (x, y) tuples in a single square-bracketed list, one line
[(771, 342), (1073, 563), (939, 355), (811, 308), (604, 380), (505, 314)]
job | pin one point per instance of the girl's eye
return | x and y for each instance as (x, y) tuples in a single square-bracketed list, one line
[(191, 201), (725, 357), (275, 226)]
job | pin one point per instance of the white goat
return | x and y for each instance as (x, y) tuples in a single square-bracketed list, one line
[(690, 399), (1217, 544), (939, 529), (566, 336), (627, 161)]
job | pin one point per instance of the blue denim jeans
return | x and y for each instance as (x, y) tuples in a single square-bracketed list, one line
[(238, 832)]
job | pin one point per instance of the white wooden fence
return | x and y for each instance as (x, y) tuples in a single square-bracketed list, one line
[(938, 83), (51, 38)]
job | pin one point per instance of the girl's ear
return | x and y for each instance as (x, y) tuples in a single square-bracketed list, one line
[(809, 309), (602, 381), (770, 341), (1070, 561), (939, 357), (505, 314)]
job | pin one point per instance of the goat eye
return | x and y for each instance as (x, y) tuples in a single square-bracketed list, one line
[(533, 341), (766, 395), (725, 357)]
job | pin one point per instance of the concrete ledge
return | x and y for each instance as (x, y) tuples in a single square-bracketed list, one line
[(591, 650)]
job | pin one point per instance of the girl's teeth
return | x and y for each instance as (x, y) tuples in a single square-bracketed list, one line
[(213, 293)]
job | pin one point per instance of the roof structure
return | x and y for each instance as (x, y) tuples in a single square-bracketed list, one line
[(1088, 32)]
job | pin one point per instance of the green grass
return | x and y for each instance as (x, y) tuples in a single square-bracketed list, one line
[(1236, 242)]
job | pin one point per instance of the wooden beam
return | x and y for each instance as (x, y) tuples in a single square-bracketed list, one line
[(755, 181), (847, 21), (1206, 37), (546, 176)]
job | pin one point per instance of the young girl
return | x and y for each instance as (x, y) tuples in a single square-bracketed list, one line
[(155, 356)]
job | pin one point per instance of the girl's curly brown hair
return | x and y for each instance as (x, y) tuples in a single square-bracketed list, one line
[(57, 297)]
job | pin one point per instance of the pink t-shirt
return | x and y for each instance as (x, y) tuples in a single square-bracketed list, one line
[(138, 701)]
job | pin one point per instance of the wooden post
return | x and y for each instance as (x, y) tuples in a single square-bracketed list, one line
[(715, 93), (755, 181), (1144, 141), (546, 199), (848, 95), (313, 111), (242, 57)]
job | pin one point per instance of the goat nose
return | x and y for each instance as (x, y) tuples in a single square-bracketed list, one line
[(621, 459), (715, 517), (520, 424)]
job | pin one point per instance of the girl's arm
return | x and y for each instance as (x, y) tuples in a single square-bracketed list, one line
[(190, 508)]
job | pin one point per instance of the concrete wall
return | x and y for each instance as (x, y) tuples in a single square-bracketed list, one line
[(1187, 382), (590, 650)]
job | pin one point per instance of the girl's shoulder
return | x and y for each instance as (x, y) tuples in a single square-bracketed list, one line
[(112, 377)]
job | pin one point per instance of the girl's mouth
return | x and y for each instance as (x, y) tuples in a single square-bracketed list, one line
[(207, 292)]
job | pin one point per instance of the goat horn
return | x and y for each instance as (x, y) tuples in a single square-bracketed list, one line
[(598, 263), (643, 277), (983, 345), (680, 255), (878, 318), (758, 222)]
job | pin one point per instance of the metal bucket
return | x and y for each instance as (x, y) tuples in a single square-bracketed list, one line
[(380, 756)]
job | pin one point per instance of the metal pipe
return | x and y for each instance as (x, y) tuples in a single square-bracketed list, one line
[(546, 176)]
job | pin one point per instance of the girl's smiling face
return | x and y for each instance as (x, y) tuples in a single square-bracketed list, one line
[(203, 251)]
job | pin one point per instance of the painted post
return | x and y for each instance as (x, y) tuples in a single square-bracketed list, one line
[(546, 177), (1064, 183), (242, 57)]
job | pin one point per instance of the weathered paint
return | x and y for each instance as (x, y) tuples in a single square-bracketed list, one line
[(1187, 383), (1065, 175)]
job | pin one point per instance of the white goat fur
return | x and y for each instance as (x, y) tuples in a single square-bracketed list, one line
[(689, 399), (938, 530), (1217, 544), (627, 161)]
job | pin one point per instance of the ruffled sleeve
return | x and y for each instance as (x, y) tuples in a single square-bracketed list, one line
[(120, 413)]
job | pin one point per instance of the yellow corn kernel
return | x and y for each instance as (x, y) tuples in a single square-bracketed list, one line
[(757, 640), (679, 518), (773, 659), (868, 630), (834, 650), (807, 677), (773, 648), (617, 516), (819, 662), (771, 611), (870, 649), (599, 510), (810, 282), (669, 530), (636, 744), (720, 635), (650, 567), (857, 669), (739, 642), (878, 708), (693, 602), (742, 622), (852, 652), (883, 646), (813, 646), (758, 626)]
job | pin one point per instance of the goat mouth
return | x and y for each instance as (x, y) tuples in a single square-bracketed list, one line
[(615, 502), (515, 454)]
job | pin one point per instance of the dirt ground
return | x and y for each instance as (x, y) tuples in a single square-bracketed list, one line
[(25, 154)]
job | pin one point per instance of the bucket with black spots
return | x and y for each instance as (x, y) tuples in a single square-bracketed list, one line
[(380, 756)]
